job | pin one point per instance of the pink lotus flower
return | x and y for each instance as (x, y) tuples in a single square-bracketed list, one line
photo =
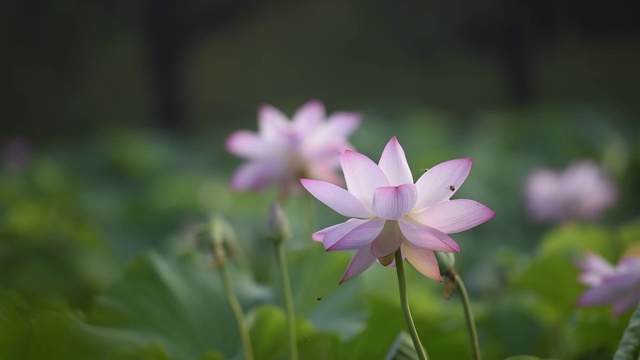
[(17, 154), (283, 151), (582, 191), (619, 286), (388, 211)]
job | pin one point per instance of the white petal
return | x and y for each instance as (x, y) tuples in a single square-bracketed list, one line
[(336, 130), (309, 117), (339, 231), (360, 262), (341, 124), (441, 181), (388, 241), (454, 216), (337, 198), (320, 234), (327, 151), (325, 171), (394, 202), (272, 123), (247, 144), (394, 164), (359, 237), (362, 175), (422, 260), (426, 237), (258, 175), (594, 269)]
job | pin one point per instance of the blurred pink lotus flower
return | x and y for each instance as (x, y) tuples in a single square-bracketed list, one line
[(16, 154), (619, 286), (283, 151), (582, 191), (388, 211)]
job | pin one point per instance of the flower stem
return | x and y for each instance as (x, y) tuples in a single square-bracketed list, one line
[(405, 307), (630, 343), (237, 311), (288, 299), (471, 325)]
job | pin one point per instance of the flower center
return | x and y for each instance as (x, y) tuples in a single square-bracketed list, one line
[(387, 243)]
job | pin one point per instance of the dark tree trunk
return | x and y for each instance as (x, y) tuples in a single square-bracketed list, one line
[(515, 53), (165, 48)]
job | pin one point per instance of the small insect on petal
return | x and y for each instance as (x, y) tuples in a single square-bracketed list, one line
[(452, 188)]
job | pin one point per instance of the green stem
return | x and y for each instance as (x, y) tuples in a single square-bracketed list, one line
[(237, 310), (405, 307), (288, 299), (630, 343), (468, 314)]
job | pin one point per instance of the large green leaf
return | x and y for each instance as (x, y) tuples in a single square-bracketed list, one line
[(403, 348), (177, 302), (317, 295), (269, 336), (47, 331)]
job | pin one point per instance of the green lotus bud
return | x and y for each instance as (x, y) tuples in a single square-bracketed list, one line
[(278, 228), (446, 261), (222, 235)]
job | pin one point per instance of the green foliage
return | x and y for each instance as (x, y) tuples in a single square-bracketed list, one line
[(49, 330), (402, 349), (318, 297), (97, 255), (550, 289), (629, 347), (269, 334), (47, 242), (175, 302)]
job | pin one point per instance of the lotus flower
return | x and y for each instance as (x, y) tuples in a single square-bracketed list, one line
[(389, 212), (283, 151), (582, 191), (16, 154), (618, 285)]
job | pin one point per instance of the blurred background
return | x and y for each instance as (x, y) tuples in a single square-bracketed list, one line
[(74, 67), (114, 120)]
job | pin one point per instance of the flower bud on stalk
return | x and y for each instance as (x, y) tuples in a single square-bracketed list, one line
[(278, 227), (222, 234), (279, 231), (446, 261)]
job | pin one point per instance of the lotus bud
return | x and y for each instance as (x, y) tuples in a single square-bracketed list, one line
[(278, 227), (446, 262), (222, 235)]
